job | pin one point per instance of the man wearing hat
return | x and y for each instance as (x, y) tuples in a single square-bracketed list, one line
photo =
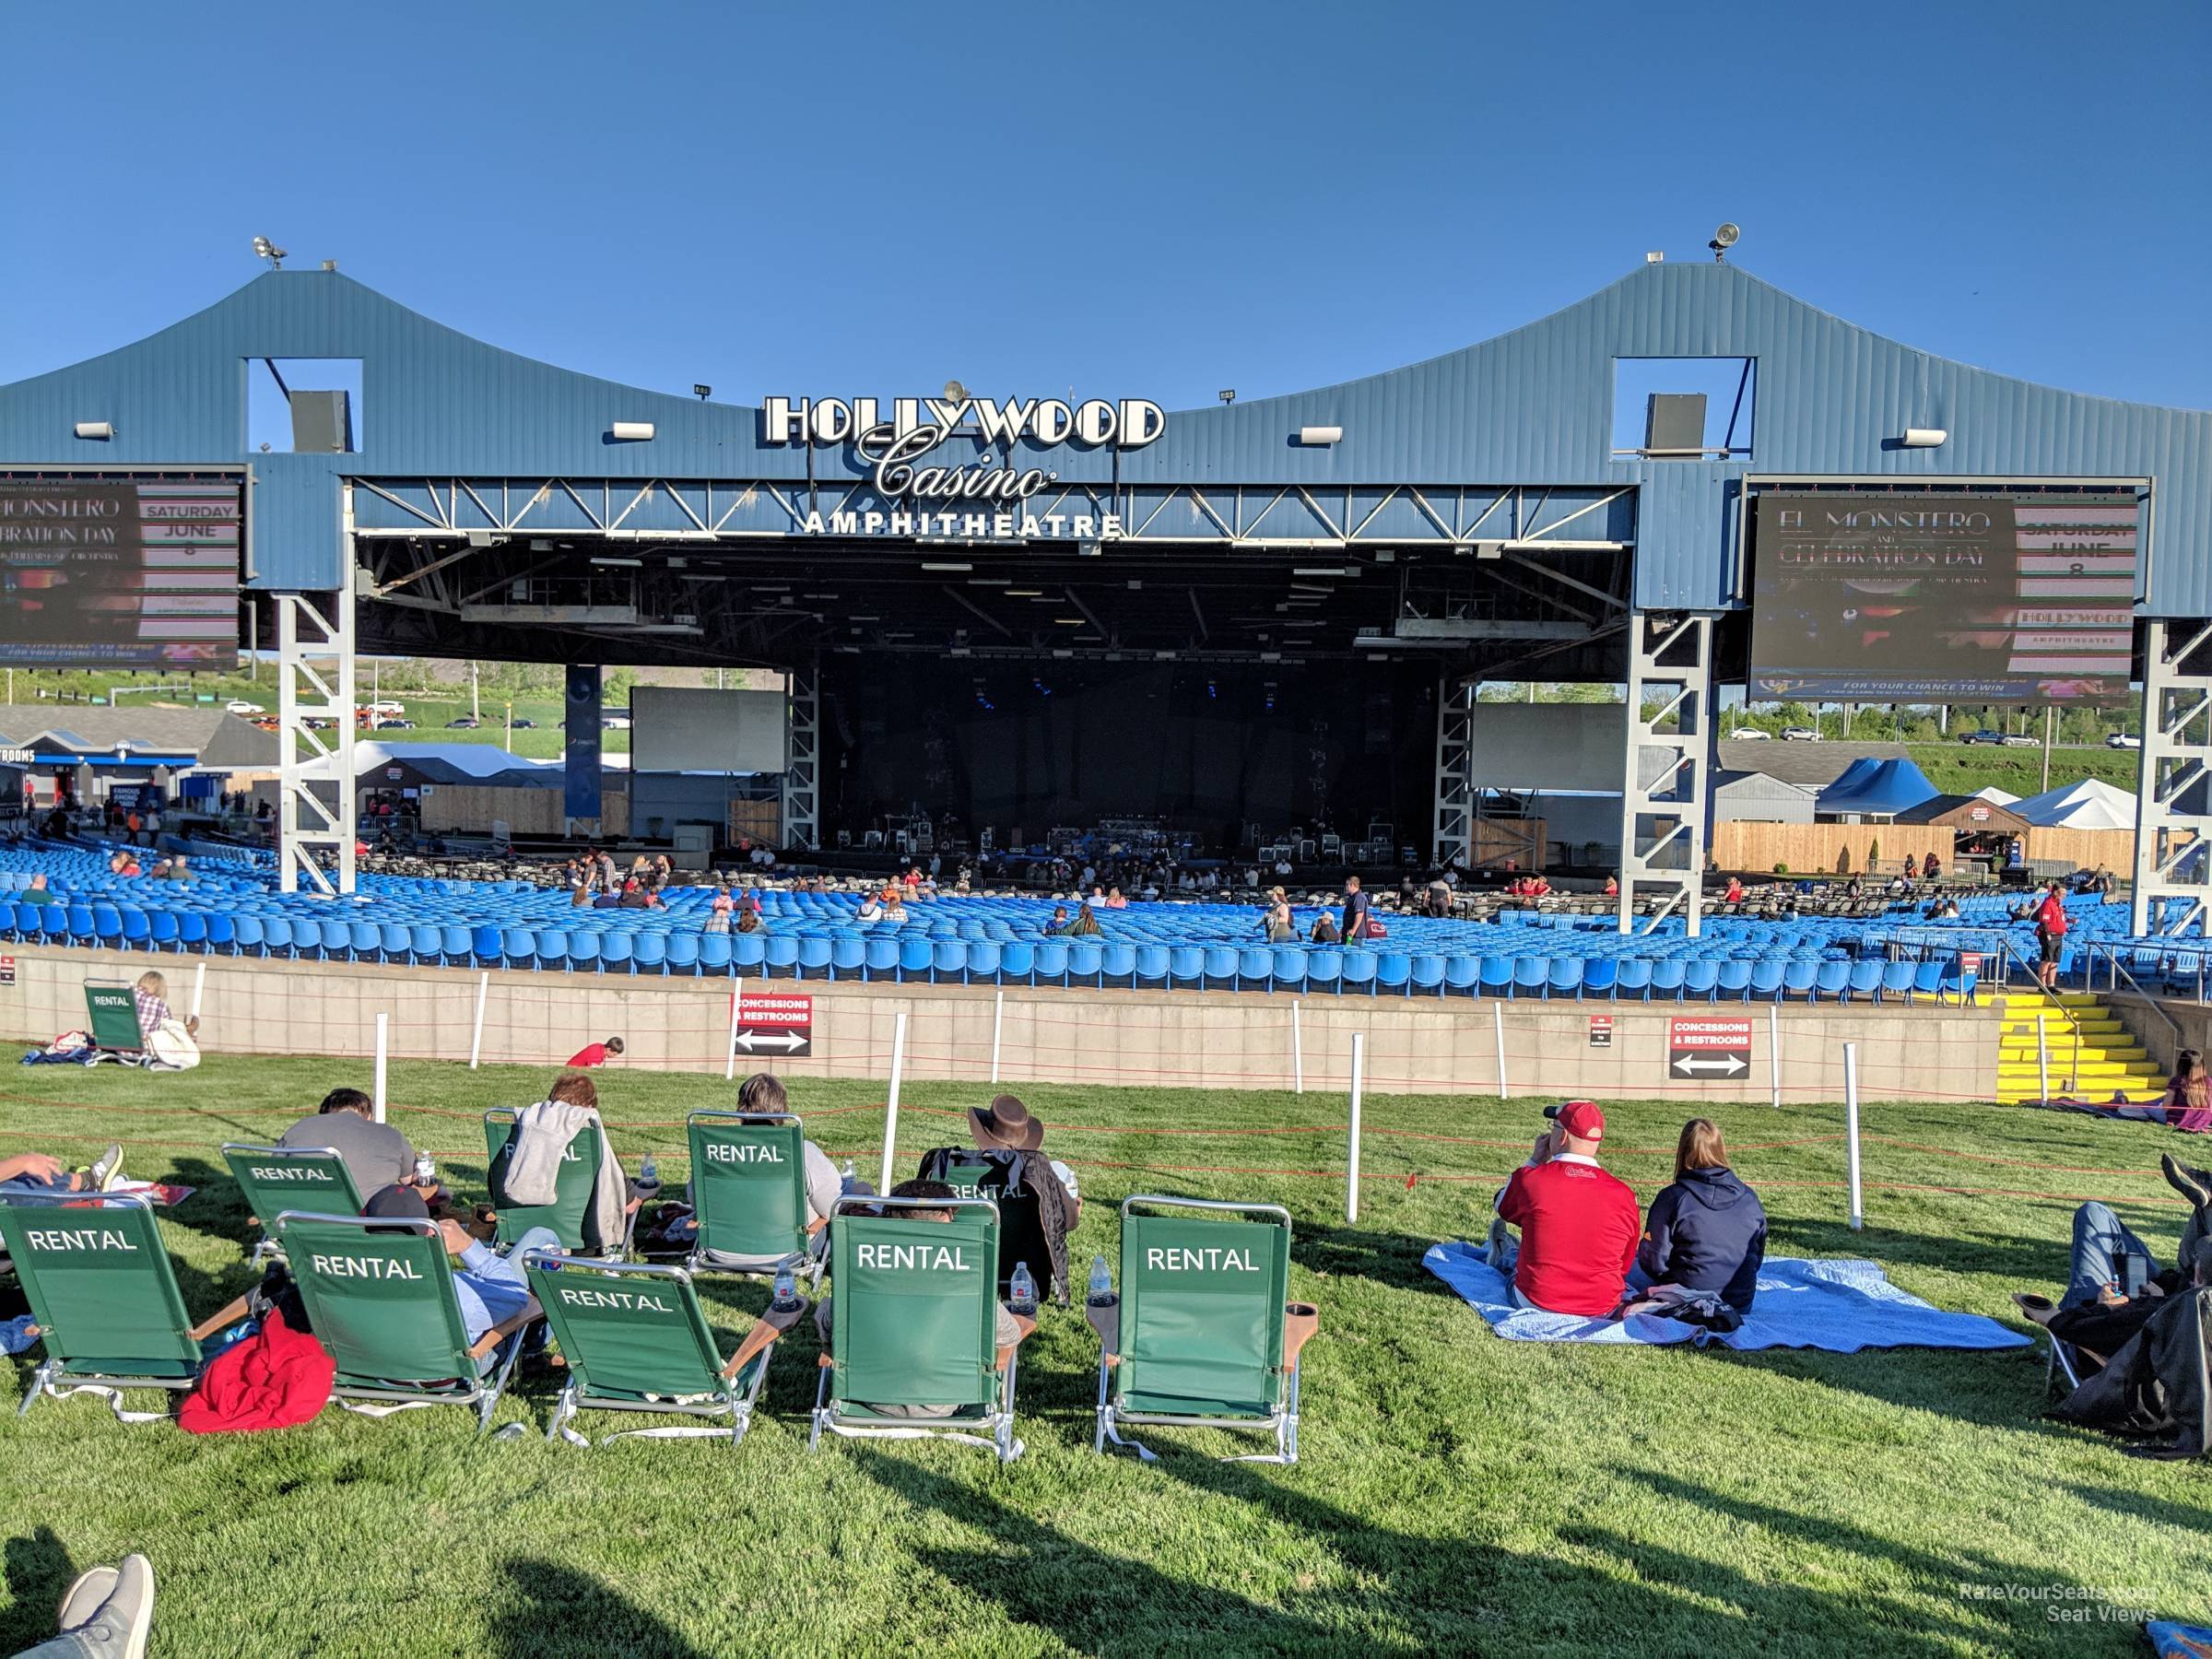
[(1579, 1226), (1006, 1125)]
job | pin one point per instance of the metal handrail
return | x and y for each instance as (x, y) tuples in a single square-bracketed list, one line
[(2117, 973)]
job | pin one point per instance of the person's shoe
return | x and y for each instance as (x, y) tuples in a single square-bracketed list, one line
[(93, 1586), (116, 1628), (2192, 1184), (107, 1170)]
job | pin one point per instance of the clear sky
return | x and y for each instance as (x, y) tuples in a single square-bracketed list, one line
[(1135, 200)]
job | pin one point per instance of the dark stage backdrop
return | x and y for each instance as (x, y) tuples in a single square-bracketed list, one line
[(1035, 746)]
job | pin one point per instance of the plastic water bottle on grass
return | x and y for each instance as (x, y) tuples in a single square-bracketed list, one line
[(1102, 1283), (1022, 1291)]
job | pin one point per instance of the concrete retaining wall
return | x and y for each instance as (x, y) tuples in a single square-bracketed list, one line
[(1121, 1037)]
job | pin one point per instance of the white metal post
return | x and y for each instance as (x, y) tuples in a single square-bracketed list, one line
[(1498, 1009), (729, 1040), (890, 1116), (1298, 1055), (1351, 1179), (1850, 1130), (1774, 1052), (2042, 1053), (998, 1024), (382, 1034), (199, 986), (475, 1041)]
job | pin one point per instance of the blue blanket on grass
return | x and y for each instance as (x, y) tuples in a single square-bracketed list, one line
[(1842, 1306)]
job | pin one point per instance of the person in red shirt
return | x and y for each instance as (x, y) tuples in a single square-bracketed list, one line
[(1735, 895), (594, 1054), (2050, 935), (1580, 1225)]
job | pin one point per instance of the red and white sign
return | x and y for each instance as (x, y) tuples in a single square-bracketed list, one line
[(774, 1022), (8, 970), (1601, 1030), (1705, 1047)]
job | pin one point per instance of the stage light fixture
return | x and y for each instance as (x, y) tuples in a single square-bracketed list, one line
[(96, 429), (702, 391), (1726, 238), (1914, 438), (1229, 394), (929, 565), (265, 249)]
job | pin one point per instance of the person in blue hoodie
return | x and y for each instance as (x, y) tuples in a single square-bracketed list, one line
[(1707, 1230)]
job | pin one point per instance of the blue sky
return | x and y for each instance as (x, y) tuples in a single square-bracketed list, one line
[(1140, 200)]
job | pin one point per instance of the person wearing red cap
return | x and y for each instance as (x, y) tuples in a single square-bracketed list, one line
[(1579, 1226)]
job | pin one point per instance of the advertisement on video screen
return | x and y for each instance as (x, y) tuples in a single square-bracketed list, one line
[(2015, 596)]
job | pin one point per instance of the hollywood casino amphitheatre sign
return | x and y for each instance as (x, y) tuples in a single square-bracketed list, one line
[(992, 500)]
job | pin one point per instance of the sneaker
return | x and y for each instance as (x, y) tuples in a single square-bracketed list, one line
[(106, 1174), (116, 1627), (93, 1586)]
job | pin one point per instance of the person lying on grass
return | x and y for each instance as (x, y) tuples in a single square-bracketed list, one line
[(2113, 1280), (1579, 1225)]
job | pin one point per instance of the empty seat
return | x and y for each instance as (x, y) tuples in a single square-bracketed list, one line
[(1635, 974), (1359, 973), (1463, 972), (1667, 977), (1833, 979), (1496, 975), (1324, 970), (1428, 973), (1600, 974), (1565, 978), (714, 953), (1865, 979), (648, 951), (1767, 980), (1896, 980), (1735, 981), (1531, 974)]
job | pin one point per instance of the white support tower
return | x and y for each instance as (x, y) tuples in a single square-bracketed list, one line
[(315, 680), (1454, 828), (2174, 788), (802, 773), (1664, 790)]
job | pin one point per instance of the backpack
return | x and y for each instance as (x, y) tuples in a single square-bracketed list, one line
[(1034, 1209)]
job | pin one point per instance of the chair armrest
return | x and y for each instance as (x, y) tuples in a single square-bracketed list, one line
[(530, 1314), (1301, 1320), (1027, 1324), (1107, 1322), (765, 1330), (229, 1313)]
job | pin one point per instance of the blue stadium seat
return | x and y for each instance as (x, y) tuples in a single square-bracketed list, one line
[(813, 954), (615, 952), (1428, 973), (1221, 966), (848, 954), (222, 931), (1119, 963), (1634, 974), (1186, 965), (1018, 960), (1735, 981), (1393, 971), (81, 931), (915, 956), (1564, 977), (1832, 979), (1927, 981), (584, 950), (780, 956), (107, 925), (1359, 972), (1052, 962), (1287, 968), (714, 953), (1668, 976), (1256, 965), (334, 936), (246, 936), (1896, 980), (1531, 974), (364, 940), (1701, 975), (948, 960), (396, 942), (1600, 974), (1463, 972), (984, 958), (459, 943), (553, 948), (1865, 979), (1799, 977), (1767, 981), (1324, 970), (648, 951), (1150, 967), (883, 955), (518, 947), (164, 931), (1496, 975)]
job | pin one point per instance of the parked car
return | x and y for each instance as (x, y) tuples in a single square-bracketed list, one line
[(467, 723), (2124, 740), (2021, 740), (1989, 737), (239, 705), (395, 725), (1750, 734), (615, 723), (1799, 735), (523, 725)]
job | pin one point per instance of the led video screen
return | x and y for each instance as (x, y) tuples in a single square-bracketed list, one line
[(119, 573), (675, 729), (2020, 597)]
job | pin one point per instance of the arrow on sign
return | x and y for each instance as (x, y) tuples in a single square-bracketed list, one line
[(1726, 1065), (752, 1042)]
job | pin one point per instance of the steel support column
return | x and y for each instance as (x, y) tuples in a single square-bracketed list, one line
[(802, 773), (1454, 830), (1667, 768), (2174, 786), (315, 680)]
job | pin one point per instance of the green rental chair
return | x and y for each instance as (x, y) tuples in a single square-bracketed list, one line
[(275, 1179), (380, 1298), (1202, 1335), (112, 1021), (105, 1299), (749, 1194), (636, 1339), (915, 1323), (570, 1212)]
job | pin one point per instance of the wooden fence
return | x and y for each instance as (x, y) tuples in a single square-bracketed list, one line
[(1825, 849)]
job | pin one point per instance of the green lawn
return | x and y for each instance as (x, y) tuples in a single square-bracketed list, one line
[(1457, 1493), (1964, 769), (542, 742)]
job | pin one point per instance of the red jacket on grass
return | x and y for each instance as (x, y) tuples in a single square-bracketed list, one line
[(1579, 1228), (277, 1378)]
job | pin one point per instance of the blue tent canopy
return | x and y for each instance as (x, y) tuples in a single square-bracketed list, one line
[(1882, 789)]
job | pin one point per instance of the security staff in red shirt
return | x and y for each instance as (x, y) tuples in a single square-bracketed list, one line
[(1580, 1225)]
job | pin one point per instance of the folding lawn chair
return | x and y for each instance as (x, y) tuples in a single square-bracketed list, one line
[(111, 1022), (749, 1194), (1202, 1335), (569, 1213), (275, 1179), (995, 1175), (105, 1299), (915, 1323), (636, 1339), (380, 1298)]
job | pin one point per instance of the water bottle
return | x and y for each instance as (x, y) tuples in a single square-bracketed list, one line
[(1102, 1283), (649, 1178), (848, 1173), (1023, 1291), (786, 1296), (425, 1172)]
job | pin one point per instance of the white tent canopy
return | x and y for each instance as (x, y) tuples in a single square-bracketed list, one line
[(2003, 797), (2091, 803)]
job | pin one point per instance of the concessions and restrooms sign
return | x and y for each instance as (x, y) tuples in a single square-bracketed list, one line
[(1708, 1046), (779, 1024), (991, 497)]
